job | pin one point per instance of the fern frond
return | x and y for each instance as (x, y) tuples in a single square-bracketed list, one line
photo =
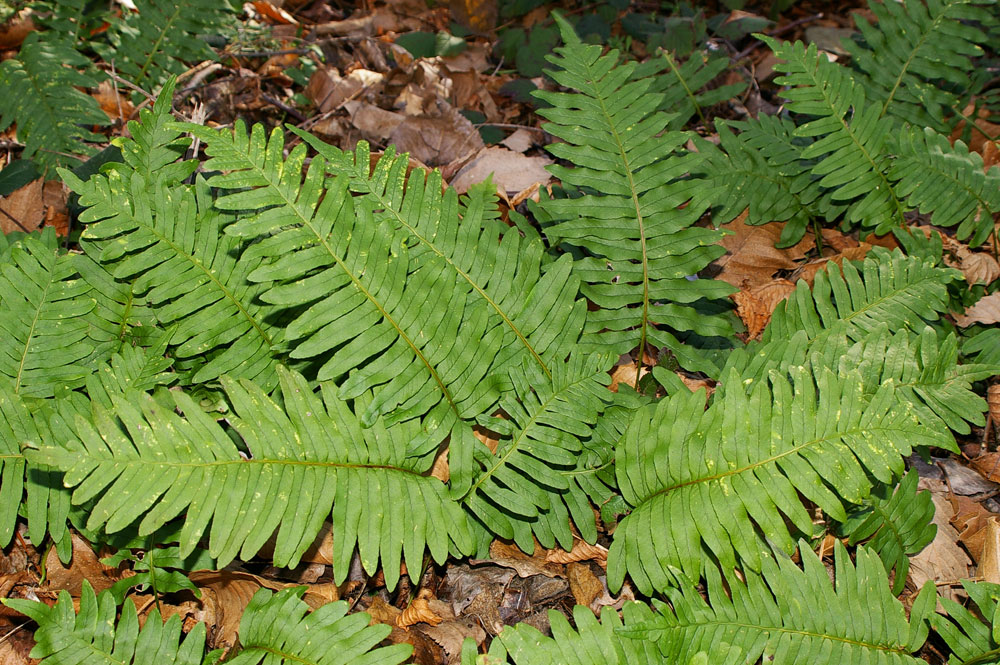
[(926, 374), (918, 57), (739, 176), (643, 245), (948, 181), (788, 615), (887, 288), (523, 487), (165, 241), (278, 629), (684, 86), (591, 642), (44, 310), (897, 522), (724, 480), (849, 134), (91, 635), (40, 95), (973, 637), (132, 369), (306, 458), (155, 41), (402, 289)]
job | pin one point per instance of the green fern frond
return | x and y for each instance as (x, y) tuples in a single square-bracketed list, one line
[(91, 636), (591, 642), (849, 134), (983, 345), (164, 240), (926, 374), (742, 466), (948, 180), (684, 86), (739, 176), (643, 245), (402, 288), (40, 95), (788, 615), (523, 487), (918, 57), (306, 458), (897, 522), (972, 636), (887, 288), (44, 321), (133, 368), (155, 41), (278, 629)]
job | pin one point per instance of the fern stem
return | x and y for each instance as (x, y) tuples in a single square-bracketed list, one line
[(677, 74)]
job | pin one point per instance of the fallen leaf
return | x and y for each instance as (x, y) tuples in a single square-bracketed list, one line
[(276, 14), (83, 566), (989, 563), (987, 310), (372, 121), (754, 306), (479, 16), (582, 551), (512, 172), (15, 29), (979, 268), (520, 140), (751, 258), (583, 584), (419, 611), (24, 209), (451, 634), (328, 90), (437, 141), (117, 106), (993, 400), (969, 518), (942, 560)]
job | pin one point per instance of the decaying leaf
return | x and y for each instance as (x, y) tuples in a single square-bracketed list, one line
[(437, 141), (752, 258), (970, 518), (987, 310), (942, 560), (979, 268), (582, 551), (989, 562), (512, 172), (583, 584), (328, 90), (419, 611), (754, 306)]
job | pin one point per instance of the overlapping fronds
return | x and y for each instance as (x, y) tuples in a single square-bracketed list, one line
[(887, 288), (36, 489), (278, 629), (684, 85), (788, 615), (742, 465), (897, 522), (918, 57), (164, 240), (591, 642), (643, 248), (972, 635), (41, 97), (91, 636), (947, 180), (44, 320), (849, 134), (155, 40), (306, 458), (525, 487), (402, 288)]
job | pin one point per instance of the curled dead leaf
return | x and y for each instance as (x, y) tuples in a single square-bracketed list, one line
[(582, 551), (419, 611)]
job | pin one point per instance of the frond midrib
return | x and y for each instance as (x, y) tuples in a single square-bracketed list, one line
[(774, 458), (644, 324), (132, 461), (909, 61), (156, 45)]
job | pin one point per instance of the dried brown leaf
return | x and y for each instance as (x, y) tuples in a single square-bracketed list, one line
[(942, 560), (83, 566), (993, 400), (437, 141), (582, 551), (969, 519), (328, 90), (752, 258), (989, 563), (479, 16), (117, 106), (419, 611), (979, 268), (583, 584), (987, 310), (450, 635), (754, 306), (512, 172)]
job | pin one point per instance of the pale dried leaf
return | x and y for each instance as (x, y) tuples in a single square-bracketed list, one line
[(373, 122), (520, 140), (987, 310), (328, 90), (582, 551), (989, 563), (979, 268), (512, 172), (942, 560)]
